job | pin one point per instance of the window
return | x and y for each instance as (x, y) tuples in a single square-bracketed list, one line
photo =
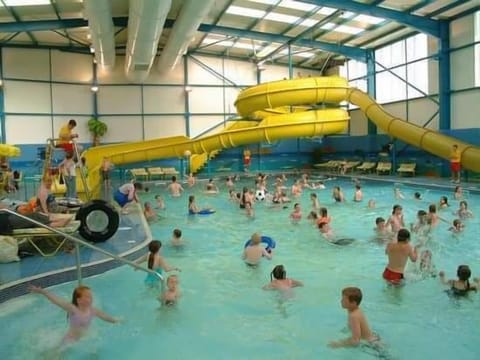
[(417, 47), (476, 50), (404, 60), (390, 55)]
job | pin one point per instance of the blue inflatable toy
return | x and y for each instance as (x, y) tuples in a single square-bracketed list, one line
[(267, 241), (202, 212)]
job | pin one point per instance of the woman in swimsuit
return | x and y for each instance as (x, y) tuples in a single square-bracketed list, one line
[(80, 311)]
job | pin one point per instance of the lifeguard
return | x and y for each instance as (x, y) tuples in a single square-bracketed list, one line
[(65, 136)]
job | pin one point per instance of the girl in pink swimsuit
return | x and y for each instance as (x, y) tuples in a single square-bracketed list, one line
[(80, 311)]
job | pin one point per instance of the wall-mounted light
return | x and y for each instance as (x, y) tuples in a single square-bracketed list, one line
[(92, 49), (94, 88), (1, 82), (188, 89), (261, 66)]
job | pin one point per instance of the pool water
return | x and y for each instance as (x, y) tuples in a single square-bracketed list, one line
[(224, 313)]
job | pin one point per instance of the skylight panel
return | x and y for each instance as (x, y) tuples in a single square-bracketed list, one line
[(347, 15), (369, 19), (326, 11), (289, 19), (26, 2), (328, 26), (227, 43), (242, 11), (348, 29), (304, 54), (297, 5), (308, 22), (342, 28), (267, 2), (267, 50)]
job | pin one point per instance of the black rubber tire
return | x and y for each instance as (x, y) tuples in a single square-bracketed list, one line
[(110, 214)]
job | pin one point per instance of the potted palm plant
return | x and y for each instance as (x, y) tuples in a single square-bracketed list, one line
[(98, 129)]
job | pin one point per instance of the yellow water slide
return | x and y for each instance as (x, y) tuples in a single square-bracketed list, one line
[(335, 90), (252, 102)]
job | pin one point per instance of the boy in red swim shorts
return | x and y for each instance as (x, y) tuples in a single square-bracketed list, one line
[(398, 254)]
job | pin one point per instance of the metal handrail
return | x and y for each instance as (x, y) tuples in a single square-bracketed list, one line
[(84, 243)]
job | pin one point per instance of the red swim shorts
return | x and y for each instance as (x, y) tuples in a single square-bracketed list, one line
[(68, 147), (455, 166), (246, 161), (392, 276)]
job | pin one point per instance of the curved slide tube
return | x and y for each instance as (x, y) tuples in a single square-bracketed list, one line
[(334, 90), (252, 102)]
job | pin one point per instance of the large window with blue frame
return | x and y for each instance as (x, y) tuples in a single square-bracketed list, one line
[(477, 48), (401, 70)]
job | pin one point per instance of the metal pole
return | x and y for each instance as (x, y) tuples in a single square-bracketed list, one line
[(79, 264), (83, 243)]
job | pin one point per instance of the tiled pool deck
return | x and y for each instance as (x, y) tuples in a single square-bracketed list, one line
[(130, 243)]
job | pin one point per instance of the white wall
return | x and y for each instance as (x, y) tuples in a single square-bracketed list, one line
[(43, 89), (465, 104)]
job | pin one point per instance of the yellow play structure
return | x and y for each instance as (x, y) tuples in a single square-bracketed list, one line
[(257, 102)]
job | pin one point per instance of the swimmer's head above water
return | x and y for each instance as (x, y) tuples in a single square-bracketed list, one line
[(278, 273)]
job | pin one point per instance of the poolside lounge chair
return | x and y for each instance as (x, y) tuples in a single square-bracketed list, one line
[(384, 167), (407, 168), (170, 171), (139, 173), (366, 166), (349, 165), (36, 235), (326, 165), (155, 171)]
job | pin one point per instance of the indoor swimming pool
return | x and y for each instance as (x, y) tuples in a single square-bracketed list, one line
[(225, 314)]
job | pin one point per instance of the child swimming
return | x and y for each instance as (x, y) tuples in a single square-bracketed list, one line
[(461, 286), (253, 253), (80, 311), (177, 238), (160, 204), (172, 293), (457, 226), (148, 212), (463, 212), (357, 322), (279, 280), (296, 214)]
